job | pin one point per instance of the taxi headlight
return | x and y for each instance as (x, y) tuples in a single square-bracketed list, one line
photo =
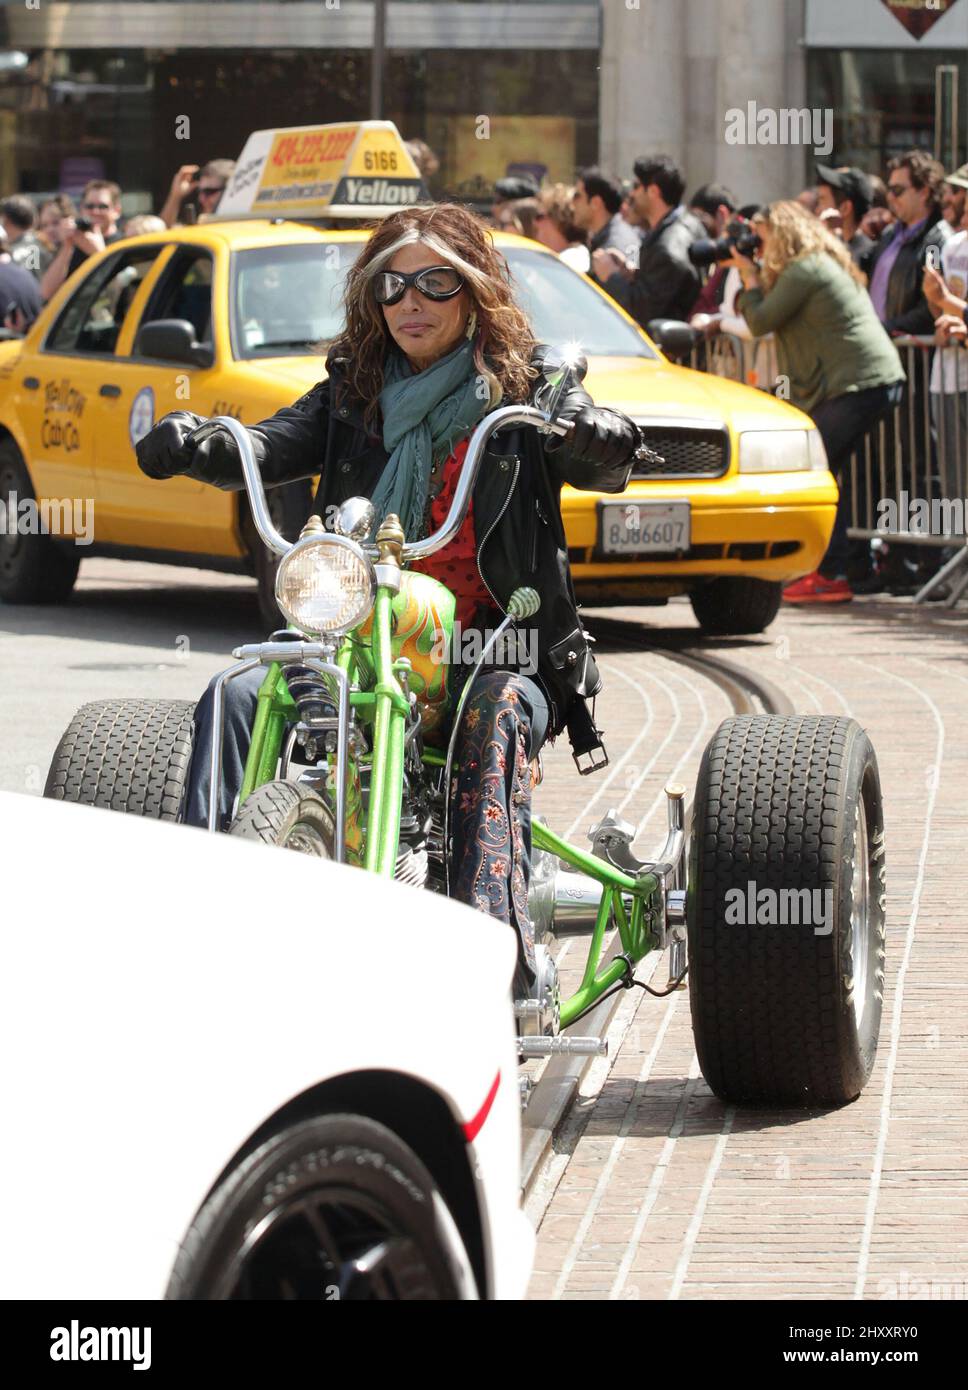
[(325, 584), (781, 451)]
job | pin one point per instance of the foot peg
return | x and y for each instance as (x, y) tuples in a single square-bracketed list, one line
[(562, 1044)]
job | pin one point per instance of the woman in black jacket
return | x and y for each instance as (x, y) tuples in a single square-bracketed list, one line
[(433, 340)]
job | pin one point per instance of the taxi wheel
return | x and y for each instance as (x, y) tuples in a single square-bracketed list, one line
[(33, 569), (289, 507), (733, 606)]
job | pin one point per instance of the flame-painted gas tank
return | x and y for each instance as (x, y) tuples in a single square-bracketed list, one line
[(423, 626)]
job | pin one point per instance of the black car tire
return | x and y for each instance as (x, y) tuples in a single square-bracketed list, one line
[(373, 1233), (33, 569), (734, 606)]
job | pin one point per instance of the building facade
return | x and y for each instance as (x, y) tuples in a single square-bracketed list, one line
[(746, 92)]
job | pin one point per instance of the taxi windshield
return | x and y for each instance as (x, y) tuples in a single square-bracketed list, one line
[(287, 300)]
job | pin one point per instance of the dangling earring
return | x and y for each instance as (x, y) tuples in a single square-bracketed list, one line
[(471, 328)]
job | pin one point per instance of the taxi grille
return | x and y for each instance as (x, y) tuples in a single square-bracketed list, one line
[(688, 451)]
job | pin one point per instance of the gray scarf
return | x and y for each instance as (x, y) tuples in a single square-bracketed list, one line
[(424, 415)]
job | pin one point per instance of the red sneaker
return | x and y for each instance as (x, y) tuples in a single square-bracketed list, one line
[(815, 588)]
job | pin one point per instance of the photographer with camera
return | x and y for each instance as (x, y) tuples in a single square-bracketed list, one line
[(800, 283), (84, 236), (713, 205)]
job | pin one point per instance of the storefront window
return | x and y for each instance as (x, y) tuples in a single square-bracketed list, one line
[(883, 101), (70, 115), (487, 114)]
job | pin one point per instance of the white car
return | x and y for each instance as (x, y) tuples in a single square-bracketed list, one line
[(233, 1074)]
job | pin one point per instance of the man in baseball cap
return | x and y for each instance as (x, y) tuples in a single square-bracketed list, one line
[(848, 192)]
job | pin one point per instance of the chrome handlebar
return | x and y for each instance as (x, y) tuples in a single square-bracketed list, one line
[(493, 421)]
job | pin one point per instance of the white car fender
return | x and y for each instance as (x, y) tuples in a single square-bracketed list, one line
[(167, 991)]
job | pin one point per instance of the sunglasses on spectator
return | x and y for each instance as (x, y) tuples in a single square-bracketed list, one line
[(434, 282), (97, 207), (896, 189), (209, 192)]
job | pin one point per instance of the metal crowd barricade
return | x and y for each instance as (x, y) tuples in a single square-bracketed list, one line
[(908, 481)]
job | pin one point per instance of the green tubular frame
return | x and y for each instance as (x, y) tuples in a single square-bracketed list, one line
[(385, 706)]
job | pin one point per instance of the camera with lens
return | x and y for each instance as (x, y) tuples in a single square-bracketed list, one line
[(83, 224), (740, 236)]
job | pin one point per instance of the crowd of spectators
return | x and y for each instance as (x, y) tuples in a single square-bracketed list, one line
[(856, 262), (43, 241)]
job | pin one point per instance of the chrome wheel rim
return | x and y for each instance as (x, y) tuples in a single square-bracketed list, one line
[(860, 897), (306, 839)]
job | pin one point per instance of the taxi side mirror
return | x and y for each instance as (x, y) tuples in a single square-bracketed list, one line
[(172, 340), (673, 337)]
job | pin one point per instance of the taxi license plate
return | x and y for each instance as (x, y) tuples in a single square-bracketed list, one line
[(643, 528)]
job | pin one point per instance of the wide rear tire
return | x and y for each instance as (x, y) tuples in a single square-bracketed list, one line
[(785, 910), (126, 755)]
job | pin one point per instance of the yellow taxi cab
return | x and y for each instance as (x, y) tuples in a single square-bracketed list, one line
[(228, 317)]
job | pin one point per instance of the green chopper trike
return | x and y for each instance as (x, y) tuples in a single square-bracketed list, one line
[(779, 904)]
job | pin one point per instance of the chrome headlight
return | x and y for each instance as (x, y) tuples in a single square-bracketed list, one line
[(781, 451), (325, 584)]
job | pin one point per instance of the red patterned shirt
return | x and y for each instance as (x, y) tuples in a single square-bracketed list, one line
[(456, 564)]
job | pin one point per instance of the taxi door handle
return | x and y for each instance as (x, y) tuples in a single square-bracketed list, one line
[(31, 382), (109, 390)]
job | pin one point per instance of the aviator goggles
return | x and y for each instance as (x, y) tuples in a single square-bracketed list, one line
[(434, 282)]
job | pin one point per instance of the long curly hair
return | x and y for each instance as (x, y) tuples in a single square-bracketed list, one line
[(796, 233), (503, 339)]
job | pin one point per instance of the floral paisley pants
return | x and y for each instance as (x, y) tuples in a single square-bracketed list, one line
[(504, 724)]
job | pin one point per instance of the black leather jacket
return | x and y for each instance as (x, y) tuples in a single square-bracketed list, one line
[(666, 284), (907, 308), (517, 515)]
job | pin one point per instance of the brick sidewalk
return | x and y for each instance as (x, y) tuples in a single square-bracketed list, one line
[(657, 1189)]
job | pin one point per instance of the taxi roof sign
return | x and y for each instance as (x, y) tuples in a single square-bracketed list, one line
[(349, 169)]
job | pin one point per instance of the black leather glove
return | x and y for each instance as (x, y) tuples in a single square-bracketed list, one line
[(183, 443), (166, 450), (600, 436)]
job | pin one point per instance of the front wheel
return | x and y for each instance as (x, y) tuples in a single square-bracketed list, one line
[(785, 910), (289, 816), (330, 1209), (734, 606)]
